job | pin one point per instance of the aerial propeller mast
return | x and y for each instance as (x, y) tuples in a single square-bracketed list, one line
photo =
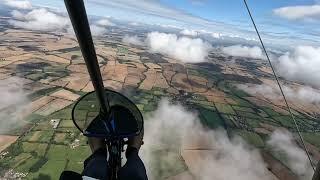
[(117, 118), (79, 20)]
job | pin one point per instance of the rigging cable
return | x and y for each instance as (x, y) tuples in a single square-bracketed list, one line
[(281, 90)]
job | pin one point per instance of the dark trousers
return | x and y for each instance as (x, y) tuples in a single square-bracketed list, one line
[(96, 165)]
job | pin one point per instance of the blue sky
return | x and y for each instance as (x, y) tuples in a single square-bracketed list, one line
[(222, 16)]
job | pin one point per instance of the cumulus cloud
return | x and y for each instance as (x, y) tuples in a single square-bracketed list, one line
[(18, 4), (43, 19), (39, 19), (132, 40), (134, 23), (299, 12), (297, 160), (216, 35), (176, 131), (104, 22), (304, 94), (244, 51), (12, 104), (97, 30), (270, 92), (188, 32), (303, 65), (182, 48)]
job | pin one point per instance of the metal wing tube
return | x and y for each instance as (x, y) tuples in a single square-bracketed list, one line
[(79, 20)]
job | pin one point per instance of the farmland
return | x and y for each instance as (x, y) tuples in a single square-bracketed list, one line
[(53, 75)]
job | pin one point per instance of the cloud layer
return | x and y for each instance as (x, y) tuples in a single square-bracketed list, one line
[(39, 19), (43, 19), (243, 51), (104, 22), (299, 12), (18, 4), (175, 130), (12, 104), (302, 65), (135, 40), (155, 9), (182, 48), (297, 160), (97, 30), (302, 93), (188, 32)]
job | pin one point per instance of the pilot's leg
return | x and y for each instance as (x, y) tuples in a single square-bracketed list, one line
[(96, 165), (134, 168)]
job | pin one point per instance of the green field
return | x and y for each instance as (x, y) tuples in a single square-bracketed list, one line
[(225, 108), (38, 148), (39, 136), (211, 119), (250, 138), (66, 124), (45, 152)]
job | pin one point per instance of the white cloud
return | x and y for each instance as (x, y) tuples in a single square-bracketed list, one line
[(168, 26), (183, 48), (198, 2), (216, 35), (188, 32), (19, 4), (134, 23), (150, 8), (297, 160), (97, 30), (244, 51), (39, 19), (12, 96), (17, 15), (173, 129), (304, 94), (270, 92), (104, 22), (132, 40), (299, 12), (303, 65)]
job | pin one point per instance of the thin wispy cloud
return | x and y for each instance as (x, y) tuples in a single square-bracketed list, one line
[(306, 12), (198, 2), (155, 8), (97, 30), (18, 4), (229, 158), (283, 141), (243, 51), (134, 40), (299, 94), (13, 103)]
